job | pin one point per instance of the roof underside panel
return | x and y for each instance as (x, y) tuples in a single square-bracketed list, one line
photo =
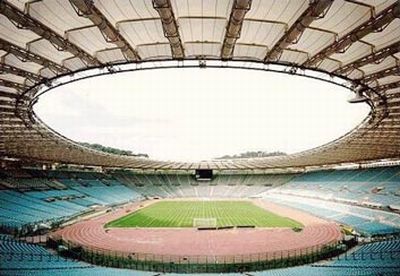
[(122, 10), (8, 89), (111, 55), (48, 12), (47, 73), (386, 37), (342, 17), (155, 51), (285, 11), (20, 4), (13, 78), (329, 65), (139, 23), (375, 67), (45, 49), (293, 56), (197, 29), (246, 51), (312, 41), (25, 65), (11, 33), (354, 52), (205, 49), (378, 5), (261, 33), (142, 32), (202, 8), (90, 39), (74, 63), (385, 80)]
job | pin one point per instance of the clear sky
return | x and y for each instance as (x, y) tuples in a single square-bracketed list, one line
[(199, 114)]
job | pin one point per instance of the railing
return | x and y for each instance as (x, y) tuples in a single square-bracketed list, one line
[(198, 263), (45, 258)]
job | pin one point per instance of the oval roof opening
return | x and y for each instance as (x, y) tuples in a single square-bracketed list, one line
[(192, 114)]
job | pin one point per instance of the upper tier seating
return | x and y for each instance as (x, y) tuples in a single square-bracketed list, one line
[(183, 185)]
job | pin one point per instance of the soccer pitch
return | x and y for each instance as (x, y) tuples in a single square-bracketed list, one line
[(182, 213)]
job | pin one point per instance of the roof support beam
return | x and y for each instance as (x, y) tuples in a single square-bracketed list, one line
[(376, 24), (235, 23), (170, 27), (313, 12), (19, 72), (88, 9), (374, 57), (24, 20), (25, 55), (381, 74)]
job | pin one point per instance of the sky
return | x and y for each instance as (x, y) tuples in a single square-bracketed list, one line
[(200, 114)]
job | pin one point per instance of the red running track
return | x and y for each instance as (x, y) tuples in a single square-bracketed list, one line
[(191, 242)]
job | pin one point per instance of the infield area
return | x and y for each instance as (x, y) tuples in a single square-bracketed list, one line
[(182, 214)]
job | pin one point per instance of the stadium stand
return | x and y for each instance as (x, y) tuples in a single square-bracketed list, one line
[(20, 258), (375, 187), (377, 258), (366, 199), (29, 206), (56, 196), (365, 221), (183, 185), (336, 195)]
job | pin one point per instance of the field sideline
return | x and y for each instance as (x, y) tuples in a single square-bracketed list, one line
[(182, 213)]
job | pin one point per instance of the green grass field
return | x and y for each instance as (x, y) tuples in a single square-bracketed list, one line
[(182, 213)]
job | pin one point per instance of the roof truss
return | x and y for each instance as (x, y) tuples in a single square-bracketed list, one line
[(12, 95), (170, 27), (235, 23), (388, 86), (25, 55), (89, 10), (23, 20), (19, 72), (313, 12), (376, 24), (394, 70), (11, 84), (374, 57)]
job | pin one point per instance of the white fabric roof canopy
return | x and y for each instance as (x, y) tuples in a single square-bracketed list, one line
[(358, 40)]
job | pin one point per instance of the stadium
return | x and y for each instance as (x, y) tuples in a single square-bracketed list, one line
[(70, 209)]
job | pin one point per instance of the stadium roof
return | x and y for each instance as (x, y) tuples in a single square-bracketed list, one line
[(41, 40)]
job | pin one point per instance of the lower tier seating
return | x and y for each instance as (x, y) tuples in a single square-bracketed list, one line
[(365, 221), (19, 258)]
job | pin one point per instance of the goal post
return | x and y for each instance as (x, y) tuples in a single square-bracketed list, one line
[(204, 222)]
